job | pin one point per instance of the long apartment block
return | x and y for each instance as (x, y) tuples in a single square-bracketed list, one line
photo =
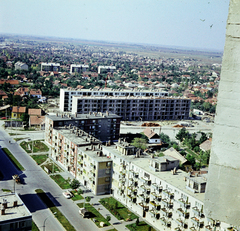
[(66, 95), (50, 67), (135, 108), (103, 126), (155, 189), (152, 187), (81, 154)]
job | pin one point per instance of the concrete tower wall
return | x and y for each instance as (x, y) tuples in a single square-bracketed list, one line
[(222, 198)]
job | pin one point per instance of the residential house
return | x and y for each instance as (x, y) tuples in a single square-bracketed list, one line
[(153, 137), (21, 66), (206, 145), (36, 93), (18, 111), (22, 91), (175, 154)]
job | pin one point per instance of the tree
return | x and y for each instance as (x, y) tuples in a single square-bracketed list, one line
[(182, 134), (80, 191), (191, 159), (108, 218), (139, 143), (137, 222), (165, 138), (88, 199), (74, 184)]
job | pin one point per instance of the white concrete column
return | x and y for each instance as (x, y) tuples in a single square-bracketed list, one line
[(222, 198)]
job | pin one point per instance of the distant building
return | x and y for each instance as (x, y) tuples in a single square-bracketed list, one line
[(103, 126), (153, 137), (106, 69), (66, 95), (14, 214), (36, 93), (78, 68), (21, 66), (50, 67)]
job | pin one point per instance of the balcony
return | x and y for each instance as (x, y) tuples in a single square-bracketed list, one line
[(215, 223), (181, 223), (197, 212), (165, 222), (167, 203), (154, 213), (157, 206), (184, 203), (196, 222), (208, 228), (145, 181), (144, 207), (165, 213), (156, 196), (182, 213), (168, 194)]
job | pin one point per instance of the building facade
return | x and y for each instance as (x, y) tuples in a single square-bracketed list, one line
[(135, 108), (78, 68), (21, 66), (14, 214), (50, 67), (103, 126), (106, 69), (66, 95)]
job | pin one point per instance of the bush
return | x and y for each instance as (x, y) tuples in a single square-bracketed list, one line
[(74, 184)]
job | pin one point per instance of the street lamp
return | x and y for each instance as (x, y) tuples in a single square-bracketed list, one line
[(45, 221)]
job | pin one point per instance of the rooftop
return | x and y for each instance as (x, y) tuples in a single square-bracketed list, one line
[(15, 208)]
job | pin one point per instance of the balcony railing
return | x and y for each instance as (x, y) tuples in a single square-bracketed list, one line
[(145, 207), (182, 213), (165, 222), (167, 203), (196, 222), (183, 203), (197, 212), (165, 213), (168, 193)]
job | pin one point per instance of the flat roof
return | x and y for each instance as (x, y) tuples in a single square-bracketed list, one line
[(176, 180), (68, 116), (13, 212)]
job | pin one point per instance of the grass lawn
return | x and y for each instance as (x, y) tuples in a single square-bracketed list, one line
[(38, 146), (76, 196), (142, 226), (50, 167), (34, 227), (17, 139), (39, 158), (96, 215), (6, 190), (64, 184), (192, 153), (14, 134), (117, 209), (13, 159), (61, 218)]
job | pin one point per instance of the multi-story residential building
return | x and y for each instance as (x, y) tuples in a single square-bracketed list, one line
[(135, 108), (81, 155), (154, 188), (78, 68), (50, 66), (106, 69), (14, 214), (21, 66), (103, 126), (66, 95)]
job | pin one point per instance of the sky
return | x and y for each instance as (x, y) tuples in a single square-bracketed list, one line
[(174, 23)]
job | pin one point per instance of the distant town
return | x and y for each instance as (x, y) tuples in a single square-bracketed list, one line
[(133, 122)]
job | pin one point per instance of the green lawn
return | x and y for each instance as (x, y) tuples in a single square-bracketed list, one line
[(51, 168), (13, 159), (142, 226), (76, 196), (38, 146), (39, 158), (117, 209), (61, 218), (34, 227), (97, 216), (64, 184), (6, 190)]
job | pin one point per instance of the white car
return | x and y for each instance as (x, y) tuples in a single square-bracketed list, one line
[(67, 194)]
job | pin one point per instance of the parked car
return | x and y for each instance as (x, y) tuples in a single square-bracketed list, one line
[(67, 194)]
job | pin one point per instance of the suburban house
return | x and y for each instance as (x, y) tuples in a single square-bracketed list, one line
[(36, 93), (22, 91), (18, 111), (21, 66), (206, 145), (175, 154), (153, 137), (36, 119)]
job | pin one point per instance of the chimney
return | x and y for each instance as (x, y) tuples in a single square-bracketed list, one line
[(15, 203)]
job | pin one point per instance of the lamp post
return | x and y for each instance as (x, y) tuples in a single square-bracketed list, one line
[(45, 221)]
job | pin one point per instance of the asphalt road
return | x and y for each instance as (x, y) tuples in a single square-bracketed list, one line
[(33, 178)]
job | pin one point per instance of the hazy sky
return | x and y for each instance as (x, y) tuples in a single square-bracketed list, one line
[(187, 23)]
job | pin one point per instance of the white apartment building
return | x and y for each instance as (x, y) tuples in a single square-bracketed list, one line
[(106, 69), (50, 67), (66, 95), (21, 66), (78, 68)]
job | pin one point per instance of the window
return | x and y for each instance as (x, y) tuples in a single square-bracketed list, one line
[(107, 171), (108, 164), (107, 179)]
